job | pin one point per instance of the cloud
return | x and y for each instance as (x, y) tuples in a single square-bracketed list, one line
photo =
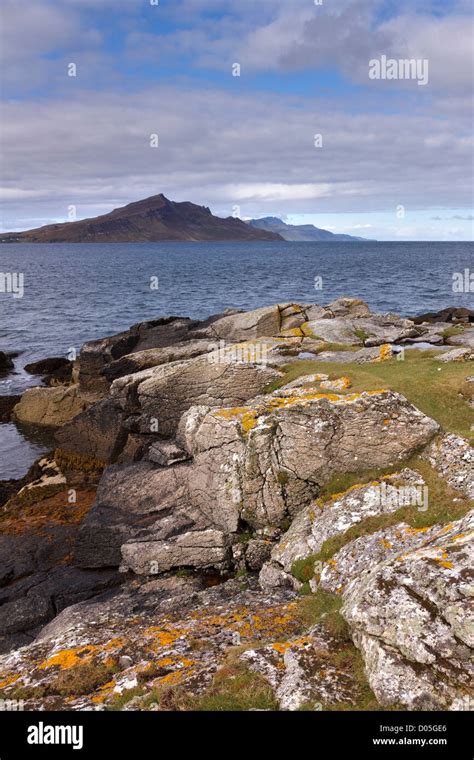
[(459, 217), (86, 141), (222, 149)]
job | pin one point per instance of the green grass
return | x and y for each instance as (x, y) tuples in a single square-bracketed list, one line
[(450, 332), (234, 688), (361, 334), (432, 387), (324, 608), (444, 505)]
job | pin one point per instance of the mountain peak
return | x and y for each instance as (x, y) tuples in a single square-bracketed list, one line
[(152, 219)]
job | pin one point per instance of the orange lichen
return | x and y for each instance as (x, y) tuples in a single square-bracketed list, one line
[(282, 647), (385, 352), (163, 638), (68, 658), (8, 681)]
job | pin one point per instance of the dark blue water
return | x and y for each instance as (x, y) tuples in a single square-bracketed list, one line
[(74, 293)]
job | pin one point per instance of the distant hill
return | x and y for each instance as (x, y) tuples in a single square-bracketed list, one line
[(154, 219), (299, 232)]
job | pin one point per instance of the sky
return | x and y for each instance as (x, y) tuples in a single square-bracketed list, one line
[(104, 102)]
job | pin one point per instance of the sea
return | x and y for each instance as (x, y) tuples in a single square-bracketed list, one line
[(67, 294)]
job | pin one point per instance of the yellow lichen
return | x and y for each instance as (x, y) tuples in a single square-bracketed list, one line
[(385, 352)]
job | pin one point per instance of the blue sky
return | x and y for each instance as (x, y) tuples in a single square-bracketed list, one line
[(240, 144)]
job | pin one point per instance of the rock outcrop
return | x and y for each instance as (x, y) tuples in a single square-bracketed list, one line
[(194, 455), (50, 407), (411, 613)]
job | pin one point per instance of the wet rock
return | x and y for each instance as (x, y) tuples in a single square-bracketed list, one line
[(6, 363), (55, 370), (7, 403), (450, 314), (46, 479)]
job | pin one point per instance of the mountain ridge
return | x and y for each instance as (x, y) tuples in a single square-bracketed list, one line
[(153, 219), (301, 232)]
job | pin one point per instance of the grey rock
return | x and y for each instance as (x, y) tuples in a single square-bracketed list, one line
[(413, 620), (320, 521), (453, 458)]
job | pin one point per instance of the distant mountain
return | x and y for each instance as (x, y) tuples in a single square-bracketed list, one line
[(154, 219), (299, 232)]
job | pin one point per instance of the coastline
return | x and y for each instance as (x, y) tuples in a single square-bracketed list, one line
[(244, 465)]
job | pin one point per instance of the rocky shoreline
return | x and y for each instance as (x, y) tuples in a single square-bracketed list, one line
[(239, 501)]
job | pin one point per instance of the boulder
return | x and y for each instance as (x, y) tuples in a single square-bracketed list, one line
[(323, 520), (6, 363), (153, 357), (463, 339), (412, 617), (196, 548), (7, 404), (265, 462), (50, 407), (158, 397), (247, 325), (97, 354), (369, 331), (337, 330), (450, 314), (456, 355), (348, 307), (453, 458), (97, 432), (137, 500), (55, 370)]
